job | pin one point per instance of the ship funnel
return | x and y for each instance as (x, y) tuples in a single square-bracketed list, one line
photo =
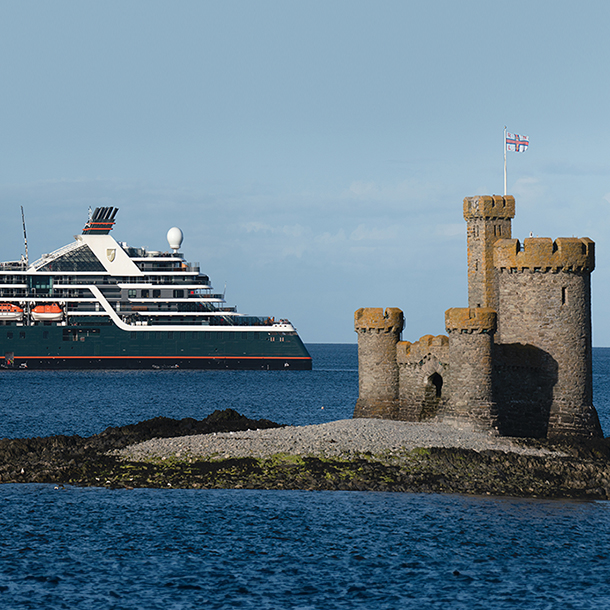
[(101, 221), (174, 238)]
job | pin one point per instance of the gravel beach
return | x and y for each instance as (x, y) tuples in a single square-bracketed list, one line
[(339, 438)]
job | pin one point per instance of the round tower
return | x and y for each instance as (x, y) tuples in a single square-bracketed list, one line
[(378, 334), (471, 337), (544, 303)]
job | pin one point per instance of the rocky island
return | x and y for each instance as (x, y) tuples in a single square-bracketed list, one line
[(228, 450)]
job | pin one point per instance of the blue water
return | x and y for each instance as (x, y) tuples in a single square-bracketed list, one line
[(41, 403), (174, 549)]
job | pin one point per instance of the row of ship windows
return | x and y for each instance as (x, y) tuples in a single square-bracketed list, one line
[(248, 336), (83, 279), (80, 334), (144, 294), (132, 294), (10, 334)]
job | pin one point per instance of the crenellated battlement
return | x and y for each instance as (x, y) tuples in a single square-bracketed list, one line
[(407, 352), (542, 254), (376, 320), (489, 207), (480, 320)]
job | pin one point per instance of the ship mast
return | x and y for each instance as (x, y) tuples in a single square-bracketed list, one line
[(25, 239)]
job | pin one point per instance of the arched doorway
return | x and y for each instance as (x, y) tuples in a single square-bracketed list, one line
[(433, 391)]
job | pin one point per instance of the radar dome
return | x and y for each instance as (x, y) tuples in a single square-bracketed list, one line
[(174, 238)]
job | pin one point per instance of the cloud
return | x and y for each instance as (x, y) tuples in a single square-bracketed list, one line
[(366, 233), (529, 189), (405, 192), (328, 239), (296, 230), (360, 190)]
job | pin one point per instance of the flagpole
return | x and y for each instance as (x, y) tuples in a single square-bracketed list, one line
[(505, 160)]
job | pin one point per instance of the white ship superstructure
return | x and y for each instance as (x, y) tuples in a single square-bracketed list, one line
[(97, 278)]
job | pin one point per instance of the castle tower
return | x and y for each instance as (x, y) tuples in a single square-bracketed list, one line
[(471, 339), (378, 334), (488, 219), (544, 305)]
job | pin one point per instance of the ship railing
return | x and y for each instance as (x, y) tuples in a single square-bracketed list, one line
[(141, 319), (204, 295), (12, 293), (13, 266), (164, 280), (172, 267)]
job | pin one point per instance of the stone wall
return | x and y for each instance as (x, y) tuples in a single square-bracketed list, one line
[(422, 372), (524, 377)]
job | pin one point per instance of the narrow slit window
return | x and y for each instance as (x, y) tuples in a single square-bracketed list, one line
[(564, 295)]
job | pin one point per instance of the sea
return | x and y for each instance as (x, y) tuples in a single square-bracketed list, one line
[(96, 548)]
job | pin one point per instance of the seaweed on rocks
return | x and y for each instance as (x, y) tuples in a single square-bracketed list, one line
[(53, 458)]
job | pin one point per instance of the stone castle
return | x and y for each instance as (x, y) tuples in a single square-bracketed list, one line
[(516, 361)]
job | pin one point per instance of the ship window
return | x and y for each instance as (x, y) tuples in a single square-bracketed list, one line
[(133, 334), (131, 294), (178, 294), (81, 259), (144, 294), (45, 334), (156, 294), (9, 335), (22, 334), (170, 335)]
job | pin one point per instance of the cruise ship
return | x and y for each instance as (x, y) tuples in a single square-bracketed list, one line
[(101, 304)]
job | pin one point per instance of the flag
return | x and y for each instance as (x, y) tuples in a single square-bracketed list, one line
[(516, 143)]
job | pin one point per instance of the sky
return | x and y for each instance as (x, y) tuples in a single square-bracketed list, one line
[(315, 154)]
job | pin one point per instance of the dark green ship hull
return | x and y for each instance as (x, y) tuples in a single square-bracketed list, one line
[(102, 345)]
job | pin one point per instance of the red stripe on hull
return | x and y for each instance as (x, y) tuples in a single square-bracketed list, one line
[(148, 362)]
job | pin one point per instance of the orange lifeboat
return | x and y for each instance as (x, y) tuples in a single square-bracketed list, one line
[(11, 312), (47, 313)]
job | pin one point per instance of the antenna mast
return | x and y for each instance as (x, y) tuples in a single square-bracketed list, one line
[(25, 239)]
